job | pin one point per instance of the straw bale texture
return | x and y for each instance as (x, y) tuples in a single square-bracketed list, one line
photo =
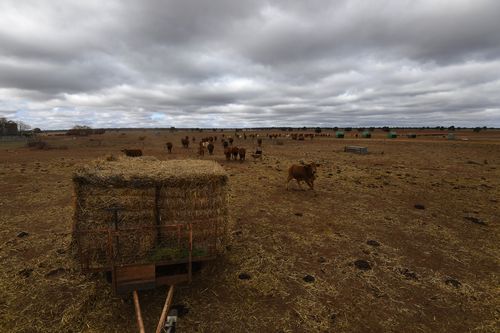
[(149, 193)]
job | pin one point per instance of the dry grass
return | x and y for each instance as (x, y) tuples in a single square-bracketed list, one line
[(433, 270)]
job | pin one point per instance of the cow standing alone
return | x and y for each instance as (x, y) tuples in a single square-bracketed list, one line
[(300, 173), (169, 147)]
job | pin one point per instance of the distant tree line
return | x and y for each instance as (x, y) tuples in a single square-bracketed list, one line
[(82, 130), (10, 127)]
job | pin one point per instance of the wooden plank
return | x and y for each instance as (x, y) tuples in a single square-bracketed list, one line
[(138, 314), (138, 277), (136, 273), (171, 279), (166, 307)]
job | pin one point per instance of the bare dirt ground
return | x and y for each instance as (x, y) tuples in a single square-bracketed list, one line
[(355, 255)]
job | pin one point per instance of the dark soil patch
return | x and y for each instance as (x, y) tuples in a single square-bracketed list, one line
[(372, 242), (308, 278), (475, 220), (409, 275), (362, 265), (26, 272), (182, 309), (453, 282)]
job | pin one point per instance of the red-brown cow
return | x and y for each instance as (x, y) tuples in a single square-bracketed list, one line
[(235, 151), (300, 173), (227, 152), (132, 152)]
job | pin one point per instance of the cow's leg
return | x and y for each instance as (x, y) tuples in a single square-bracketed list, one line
[(300, 186), (288, 181), (311, 184)]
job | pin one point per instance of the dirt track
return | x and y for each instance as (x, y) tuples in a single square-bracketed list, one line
[(435, 269)]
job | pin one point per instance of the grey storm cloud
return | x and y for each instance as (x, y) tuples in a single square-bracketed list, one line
[(227, 63)]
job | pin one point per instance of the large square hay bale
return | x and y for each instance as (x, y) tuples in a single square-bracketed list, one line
[(150, 194)]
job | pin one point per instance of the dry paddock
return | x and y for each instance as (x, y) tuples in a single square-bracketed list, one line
[(355, 255)]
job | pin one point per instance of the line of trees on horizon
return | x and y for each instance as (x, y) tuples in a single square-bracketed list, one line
[(87, 130), (10, 127)]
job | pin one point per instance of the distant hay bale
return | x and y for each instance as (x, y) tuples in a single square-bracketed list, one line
[(150, 194)]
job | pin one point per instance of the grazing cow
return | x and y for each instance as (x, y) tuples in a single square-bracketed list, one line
[(242, 152), (210, 148), (300, 173), (235, 151), (225, 143), (185, 142), (169, 147), (227, 152), (132, 152)]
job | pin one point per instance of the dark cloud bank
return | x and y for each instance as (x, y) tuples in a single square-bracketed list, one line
[(249, 63)]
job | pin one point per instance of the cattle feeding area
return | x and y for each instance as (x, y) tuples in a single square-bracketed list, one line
[(404, 238), (156, 200)]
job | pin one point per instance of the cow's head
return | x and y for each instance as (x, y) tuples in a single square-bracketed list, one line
[(311, 169)]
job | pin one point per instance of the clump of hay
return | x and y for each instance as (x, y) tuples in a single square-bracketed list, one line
[(150, 194)]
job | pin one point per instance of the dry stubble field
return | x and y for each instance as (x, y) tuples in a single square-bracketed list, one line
[(425, 270)]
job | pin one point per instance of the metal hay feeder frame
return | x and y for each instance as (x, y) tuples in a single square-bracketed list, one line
[(129, 276)]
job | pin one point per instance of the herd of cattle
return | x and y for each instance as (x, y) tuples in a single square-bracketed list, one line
[(305, 172), (206, 144)]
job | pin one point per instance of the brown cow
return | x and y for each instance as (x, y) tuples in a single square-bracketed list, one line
[(169, 147), (300, 173), (210, 148), (242, 152), (227, 152), (201, 149), (185, 142), (132, 152), (235, 151)]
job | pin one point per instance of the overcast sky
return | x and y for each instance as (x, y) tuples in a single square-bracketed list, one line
[(227, 63)]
